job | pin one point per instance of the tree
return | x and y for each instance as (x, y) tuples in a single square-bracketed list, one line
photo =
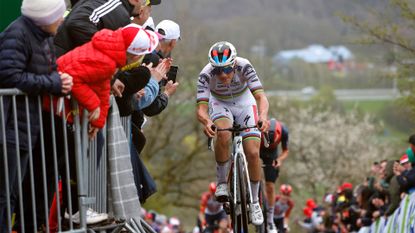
[(394, 30)]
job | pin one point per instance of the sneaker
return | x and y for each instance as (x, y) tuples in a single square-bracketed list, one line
[(92, 217), (271, 228), (256, 214), (221, 193)]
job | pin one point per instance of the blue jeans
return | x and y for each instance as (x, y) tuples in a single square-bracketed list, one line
[(12, 165)]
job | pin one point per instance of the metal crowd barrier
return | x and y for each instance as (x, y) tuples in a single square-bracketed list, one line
[(48, 164)]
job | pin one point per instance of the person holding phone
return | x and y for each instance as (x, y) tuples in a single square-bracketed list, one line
[(170, 34)]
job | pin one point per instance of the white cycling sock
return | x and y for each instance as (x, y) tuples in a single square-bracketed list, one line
[(221, 171), (270, 214), (255, 190)]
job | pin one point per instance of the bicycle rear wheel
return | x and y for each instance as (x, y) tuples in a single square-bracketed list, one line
[(243, 192)]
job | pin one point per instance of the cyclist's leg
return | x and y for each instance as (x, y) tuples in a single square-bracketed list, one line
[(221, 116), (271, 175), (247, 116)]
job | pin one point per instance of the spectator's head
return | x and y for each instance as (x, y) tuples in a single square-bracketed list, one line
[(311, 203), (375, 167), (175, 224), (47, 14), (142, 9), (404, 162), (138, 42), (378, 199), (212, 187), (382, 170), (170, 34), (345, 186), (149, 24), (222, 56)]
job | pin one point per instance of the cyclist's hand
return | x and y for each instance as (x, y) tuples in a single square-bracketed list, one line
[(276, 163), (209, 131), (263, 124)]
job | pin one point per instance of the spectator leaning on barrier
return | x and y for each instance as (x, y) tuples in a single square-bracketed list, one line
[(93, 64), (27, 62), (170, 33), (406, 179), (88, 17)]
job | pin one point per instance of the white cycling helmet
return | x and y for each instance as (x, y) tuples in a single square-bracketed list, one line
[(222, 54)]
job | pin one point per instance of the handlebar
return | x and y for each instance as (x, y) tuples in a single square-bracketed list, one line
[(236, 129)]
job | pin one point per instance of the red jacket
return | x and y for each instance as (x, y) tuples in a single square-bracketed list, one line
[(92, 66)]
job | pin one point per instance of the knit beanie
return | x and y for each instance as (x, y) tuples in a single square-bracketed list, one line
[(43, 12), (139, 41)]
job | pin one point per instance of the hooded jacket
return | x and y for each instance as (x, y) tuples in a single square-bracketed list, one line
[(92, 66), (89, 16)]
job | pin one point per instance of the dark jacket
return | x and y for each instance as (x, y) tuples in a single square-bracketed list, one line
[(88, 17), (27, 62), (407, 180), (393, 190)]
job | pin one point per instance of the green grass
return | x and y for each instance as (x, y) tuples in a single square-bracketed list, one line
[(368, 106), (390, 132)]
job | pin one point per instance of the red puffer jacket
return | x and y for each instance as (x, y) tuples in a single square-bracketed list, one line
[(92, 66)]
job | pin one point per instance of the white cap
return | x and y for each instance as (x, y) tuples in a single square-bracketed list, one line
[(43, 12), (168, 29), (149, 23), (139, 41)]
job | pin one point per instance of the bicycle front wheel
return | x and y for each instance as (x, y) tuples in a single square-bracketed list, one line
[(242, 180)]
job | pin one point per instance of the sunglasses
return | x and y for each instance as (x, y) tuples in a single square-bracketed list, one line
[(220, 70)]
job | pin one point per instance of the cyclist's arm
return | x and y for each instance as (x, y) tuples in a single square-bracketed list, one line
[(203, 204), (255, 86), (288, 212), (284, 144), (263, 106), (203, 94)]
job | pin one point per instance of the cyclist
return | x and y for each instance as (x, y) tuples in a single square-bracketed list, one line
[(278, 134), (212, 211), (230, 89), (282, 208)]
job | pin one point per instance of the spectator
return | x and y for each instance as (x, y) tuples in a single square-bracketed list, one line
[(406, 179), (393, 191), (88, 17), (94, 63), (170, 32), (27, 62)]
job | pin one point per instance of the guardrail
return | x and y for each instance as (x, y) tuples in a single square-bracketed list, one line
[(39, 151)]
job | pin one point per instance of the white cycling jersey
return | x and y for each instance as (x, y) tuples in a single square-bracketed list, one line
[(244, 81), (234, 101)]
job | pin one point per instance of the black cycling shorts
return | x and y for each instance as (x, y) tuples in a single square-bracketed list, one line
[(268, 156), (212, 218)]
